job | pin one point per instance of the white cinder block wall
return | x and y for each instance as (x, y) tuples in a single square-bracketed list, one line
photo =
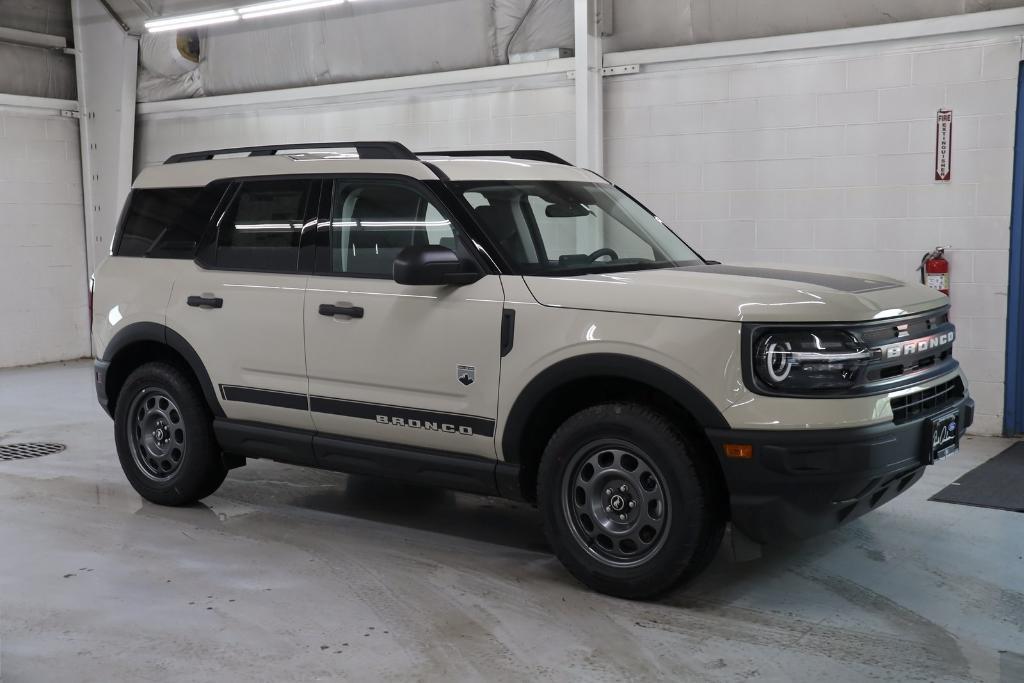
[(813, 158), (827, 159), (43, 285)]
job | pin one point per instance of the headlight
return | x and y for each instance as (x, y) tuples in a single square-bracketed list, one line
[(805, 360)]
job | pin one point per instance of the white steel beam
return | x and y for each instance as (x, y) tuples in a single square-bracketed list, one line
[(32, 39), (106, 61), (589, 92), (861, 35), (503, 75), (42, 105)]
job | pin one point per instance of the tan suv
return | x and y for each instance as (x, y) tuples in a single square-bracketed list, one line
[(507, 324)]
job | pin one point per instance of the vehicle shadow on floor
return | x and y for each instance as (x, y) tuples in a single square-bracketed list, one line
[(507, 523), (478, 518), (472, 517)]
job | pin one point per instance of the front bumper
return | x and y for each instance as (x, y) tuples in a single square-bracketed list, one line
[(802, 483)]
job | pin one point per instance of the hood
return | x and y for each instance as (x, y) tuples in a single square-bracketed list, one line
[(740, 293)]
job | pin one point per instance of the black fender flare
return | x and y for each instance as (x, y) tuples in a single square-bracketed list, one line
[(611, 365), (155, 332)]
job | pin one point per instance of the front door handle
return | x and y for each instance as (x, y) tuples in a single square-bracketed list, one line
[(331, 310), (205, 302)]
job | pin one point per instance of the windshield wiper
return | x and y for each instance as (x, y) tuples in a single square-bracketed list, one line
[(615, 267)]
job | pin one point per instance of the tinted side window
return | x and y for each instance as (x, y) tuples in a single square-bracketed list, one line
[(165, 223), (262, 228), (372, 222)]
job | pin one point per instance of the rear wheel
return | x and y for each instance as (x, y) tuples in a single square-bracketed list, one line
[(629, 506), (164, 437)]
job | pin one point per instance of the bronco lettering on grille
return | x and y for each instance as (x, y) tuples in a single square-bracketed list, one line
[(916, 346)]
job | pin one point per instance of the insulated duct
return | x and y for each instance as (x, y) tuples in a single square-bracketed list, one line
[(531, 25), (169, 66), (355, 41)]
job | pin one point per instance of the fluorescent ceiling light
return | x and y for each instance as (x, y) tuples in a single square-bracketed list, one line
[(266, 9), (192, 20), (262, 9)]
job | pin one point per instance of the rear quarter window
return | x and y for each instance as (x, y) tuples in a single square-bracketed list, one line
[(165, 222)]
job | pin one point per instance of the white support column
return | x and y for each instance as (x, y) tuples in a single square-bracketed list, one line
[(106, 61), (589, 92)]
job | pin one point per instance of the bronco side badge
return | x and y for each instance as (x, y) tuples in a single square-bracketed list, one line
[(466, 374)]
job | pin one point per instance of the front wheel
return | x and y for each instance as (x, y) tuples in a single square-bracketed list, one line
[(164, 436), (629, 506)]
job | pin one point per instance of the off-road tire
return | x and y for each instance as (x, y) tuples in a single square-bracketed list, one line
[(687, 490), (184, 464)]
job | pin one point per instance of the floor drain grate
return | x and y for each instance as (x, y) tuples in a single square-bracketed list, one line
[(23, 451)]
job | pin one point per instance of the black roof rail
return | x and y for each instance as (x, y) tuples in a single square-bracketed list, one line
[(527, 154), (366, 150)]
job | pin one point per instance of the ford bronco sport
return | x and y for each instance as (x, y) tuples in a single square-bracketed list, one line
[(505, 323)]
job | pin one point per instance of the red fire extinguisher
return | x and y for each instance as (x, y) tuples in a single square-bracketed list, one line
[(935, 270)]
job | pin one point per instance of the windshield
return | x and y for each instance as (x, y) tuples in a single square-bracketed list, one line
[(569, 228)]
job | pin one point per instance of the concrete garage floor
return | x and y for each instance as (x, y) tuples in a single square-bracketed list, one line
[(293, 574)]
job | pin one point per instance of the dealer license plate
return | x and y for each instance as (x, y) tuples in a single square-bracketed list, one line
[(945, 436)]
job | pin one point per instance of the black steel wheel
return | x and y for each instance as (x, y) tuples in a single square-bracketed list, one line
[(631, 506), (616, 503), (156, 434), (164, 435)]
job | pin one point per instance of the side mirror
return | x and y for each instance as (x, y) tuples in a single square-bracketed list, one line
[(433, 265)]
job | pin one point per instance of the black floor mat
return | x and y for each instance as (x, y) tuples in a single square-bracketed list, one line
[(998, 483)]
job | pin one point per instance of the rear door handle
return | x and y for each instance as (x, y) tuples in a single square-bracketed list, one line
[(331, 310), (205, 302)]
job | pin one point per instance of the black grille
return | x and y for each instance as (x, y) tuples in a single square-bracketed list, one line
[(916, 327), (934, 361), (911, 406)]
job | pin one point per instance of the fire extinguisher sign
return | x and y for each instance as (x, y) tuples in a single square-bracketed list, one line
[(944, 146)]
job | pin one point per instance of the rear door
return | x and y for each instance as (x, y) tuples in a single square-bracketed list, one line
[(240, 305), (415, 365)]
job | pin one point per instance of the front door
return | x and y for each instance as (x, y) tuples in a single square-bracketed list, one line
[(242, 308), (402, 364)]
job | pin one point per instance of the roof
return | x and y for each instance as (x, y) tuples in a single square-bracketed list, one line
[(496, 168), (196, 169), (199, 173)]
